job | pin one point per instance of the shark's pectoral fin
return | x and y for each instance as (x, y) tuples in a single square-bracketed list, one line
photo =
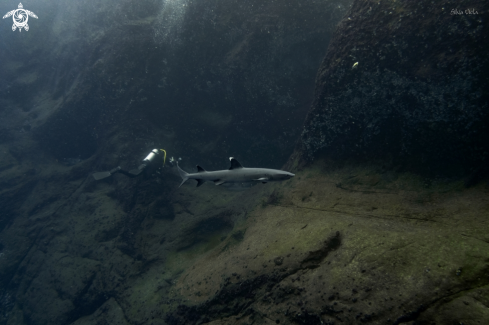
[(264, 180), (219, 182), (200, 182)]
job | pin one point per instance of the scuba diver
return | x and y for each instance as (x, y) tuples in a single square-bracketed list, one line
[(151, 161)]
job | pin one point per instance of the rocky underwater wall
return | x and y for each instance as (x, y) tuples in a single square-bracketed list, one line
[(405, 81), (96, 84), (197, 78)]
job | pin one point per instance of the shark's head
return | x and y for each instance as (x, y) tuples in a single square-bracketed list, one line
[(281, 176)]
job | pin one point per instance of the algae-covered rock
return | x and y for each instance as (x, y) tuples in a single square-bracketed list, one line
[(386, 252), (405, 79)]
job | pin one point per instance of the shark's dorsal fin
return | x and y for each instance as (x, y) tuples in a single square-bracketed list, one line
[(200, 169), (234, 164)]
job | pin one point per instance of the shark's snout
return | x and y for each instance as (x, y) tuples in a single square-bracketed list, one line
[(287, 175)]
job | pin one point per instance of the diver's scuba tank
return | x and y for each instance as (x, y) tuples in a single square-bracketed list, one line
[(146, 161), (136, 171)]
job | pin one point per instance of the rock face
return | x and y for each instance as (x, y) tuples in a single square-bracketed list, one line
[(406, 80), (199, 78), (345, 246), (92, 86)]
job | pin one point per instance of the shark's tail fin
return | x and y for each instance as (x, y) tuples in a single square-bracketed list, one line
[(183, 175)]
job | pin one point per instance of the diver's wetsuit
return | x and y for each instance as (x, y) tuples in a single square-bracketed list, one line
[(127, 173), (150, 164)]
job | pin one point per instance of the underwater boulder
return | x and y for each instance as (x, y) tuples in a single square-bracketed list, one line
[(404, 80)]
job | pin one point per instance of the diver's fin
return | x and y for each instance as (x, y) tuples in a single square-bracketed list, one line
[(200, 169), (183, 175), (234, 164), (200, 182), (219, 182), (102, 175)]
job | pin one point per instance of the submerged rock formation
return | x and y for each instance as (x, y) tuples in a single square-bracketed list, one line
[(94, 85), (199, 78), (407, 81), (357, 245)]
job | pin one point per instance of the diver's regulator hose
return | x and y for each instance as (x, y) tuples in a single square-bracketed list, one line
[(164, 157)]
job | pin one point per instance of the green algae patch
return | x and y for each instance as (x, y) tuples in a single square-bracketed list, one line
[(397, 236)]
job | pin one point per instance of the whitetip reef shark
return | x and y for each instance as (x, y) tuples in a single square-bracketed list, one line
[(235, 174)]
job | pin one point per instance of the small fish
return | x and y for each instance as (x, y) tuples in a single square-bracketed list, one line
[(355, 65)]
